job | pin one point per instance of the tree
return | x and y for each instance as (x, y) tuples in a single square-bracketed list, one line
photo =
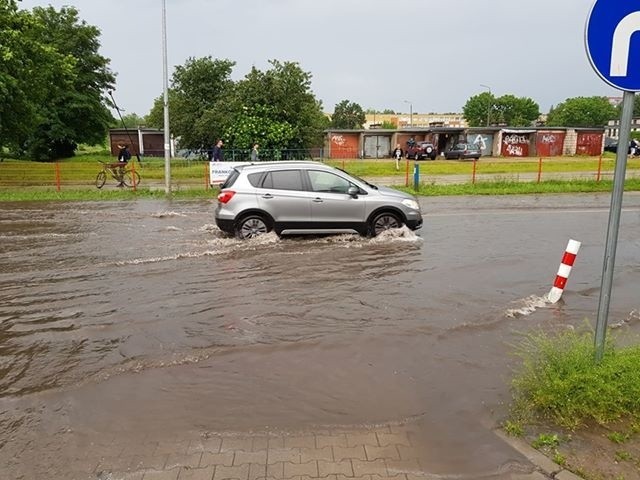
[(348, 115), (28, 69), (485, 109), (199, 89), (477, 110), (281, 95), (75, 108), (275, 108), (636, 107), (581, 112), (130, 120), (516, 112)]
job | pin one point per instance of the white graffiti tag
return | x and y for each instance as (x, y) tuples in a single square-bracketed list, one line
[(548, 138), (515, 139), (514, 151), (338, 140), (480, 141)]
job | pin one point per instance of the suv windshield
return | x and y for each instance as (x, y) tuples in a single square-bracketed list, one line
[(358, 178)]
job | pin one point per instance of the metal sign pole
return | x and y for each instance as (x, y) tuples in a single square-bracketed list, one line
[(614, 222)]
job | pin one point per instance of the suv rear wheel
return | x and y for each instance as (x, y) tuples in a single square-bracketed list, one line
[(252, 225)]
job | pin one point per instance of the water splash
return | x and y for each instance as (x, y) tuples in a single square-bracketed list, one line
[(402, 234), (633, 317), (168, 214), (528, 305)]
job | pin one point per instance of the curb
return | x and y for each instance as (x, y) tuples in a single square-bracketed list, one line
[(541, 461)]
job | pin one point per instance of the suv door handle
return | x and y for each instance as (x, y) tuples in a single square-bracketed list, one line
[(267, 195), (317, 200)]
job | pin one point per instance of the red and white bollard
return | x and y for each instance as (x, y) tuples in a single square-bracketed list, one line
[(563, 272)]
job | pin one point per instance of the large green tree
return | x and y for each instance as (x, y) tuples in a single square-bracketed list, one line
[(477, 110), (581, 112), (348, 115), (28, 69), (76, 108), (275, 108), (199, 90), (486, 109)]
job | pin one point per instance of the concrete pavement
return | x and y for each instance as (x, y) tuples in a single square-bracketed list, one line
[(382, 453)]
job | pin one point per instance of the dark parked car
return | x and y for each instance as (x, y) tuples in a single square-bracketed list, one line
[(422, 150), (464, 150), (612, 146)]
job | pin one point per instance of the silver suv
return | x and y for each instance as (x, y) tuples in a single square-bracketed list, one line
[(309, 197)]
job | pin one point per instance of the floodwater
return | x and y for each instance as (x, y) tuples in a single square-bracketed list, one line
[(139, 317)]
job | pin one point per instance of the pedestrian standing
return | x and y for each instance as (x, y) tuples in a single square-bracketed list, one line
[(124, 155), (218, 156), (255, 157), (397, 154)]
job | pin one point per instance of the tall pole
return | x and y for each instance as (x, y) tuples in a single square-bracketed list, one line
[(410, 112), (167, 134), (489, 104), (614, 222)]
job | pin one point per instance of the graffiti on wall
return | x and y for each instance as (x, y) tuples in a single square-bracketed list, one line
[(338, 140), (514, 139), (548, 138), (479, 140), (516, 145)]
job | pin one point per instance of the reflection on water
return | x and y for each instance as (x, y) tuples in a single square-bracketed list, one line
[(141, 307)]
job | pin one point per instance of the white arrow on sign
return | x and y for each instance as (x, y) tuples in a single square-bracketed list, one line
[(622, 44)]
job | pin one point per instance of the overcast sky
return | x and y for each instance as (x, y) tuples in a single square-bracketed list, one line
[(377, 53)]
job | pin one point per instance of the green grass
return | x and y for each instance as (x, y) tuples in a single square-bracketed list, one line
[(502, 187), (559, 381), (489, 165), (197, 190), (102, 195)]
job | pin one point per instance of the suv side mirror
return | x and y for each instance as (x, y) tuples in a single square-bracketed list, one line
[(353, 191)]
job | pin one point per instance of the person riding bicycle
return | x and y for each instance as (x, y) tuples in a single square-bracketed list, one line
[(124, 155)]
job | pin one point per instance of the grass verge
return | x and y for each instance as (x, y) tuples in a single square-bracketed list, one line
[(192, 191), (559, 381)]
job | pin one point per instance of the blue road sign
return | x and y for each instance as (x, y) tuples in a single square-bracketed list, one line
[(612, 39)]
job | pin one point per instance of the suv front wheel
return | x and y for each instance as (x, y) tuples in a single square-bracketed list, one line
[(251, 226), (382, 222)]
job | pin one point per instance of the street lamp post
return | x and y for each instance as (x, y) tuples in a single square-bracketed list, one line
[(410, 112), (167, 134), (490, 104)]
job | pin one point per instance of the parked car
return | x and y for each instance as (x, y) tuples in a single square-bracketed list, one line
[(464, 150), (633, 150), (422, 150), (309, 198)]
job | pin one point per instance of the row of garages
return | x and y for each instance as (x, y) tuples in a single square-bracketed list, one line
[(494, 142)]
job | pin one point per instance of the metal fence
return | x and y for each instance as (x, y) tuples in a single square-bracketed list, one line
[(193, 172), (242, 155)]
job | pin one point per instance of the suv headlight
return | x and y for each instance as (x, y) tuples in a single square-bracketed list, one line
[(411, 204)]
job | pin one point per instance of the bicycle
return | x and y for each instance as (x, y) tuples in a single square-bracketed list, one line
[(124, 174)]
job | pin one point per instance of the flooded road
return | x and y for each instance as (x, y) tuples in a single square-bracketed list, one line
[(139, 319)]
